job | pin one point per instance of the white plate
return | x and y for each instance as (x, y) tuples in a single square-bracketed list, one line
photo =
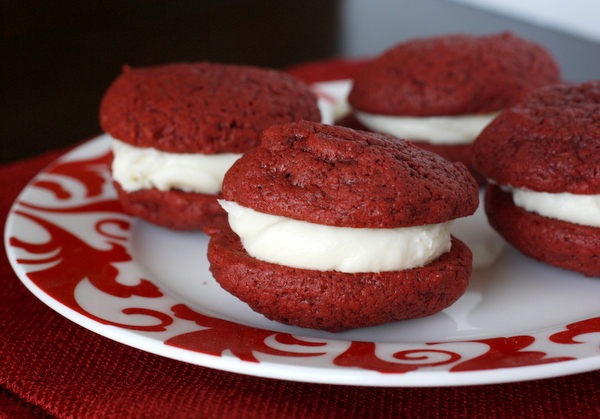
[(72, 246)]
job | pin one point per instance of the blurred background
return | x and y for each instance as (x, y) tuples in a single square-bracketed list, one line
[(59, 57)]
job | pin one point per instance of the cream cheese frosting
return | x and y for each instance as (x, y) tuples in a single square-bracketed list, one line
[(136, 168), (460, 129), (578, 209), (304, 245)]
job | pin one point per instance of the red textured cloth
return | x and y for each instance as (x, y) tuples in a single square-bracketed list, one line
[(50, 367)]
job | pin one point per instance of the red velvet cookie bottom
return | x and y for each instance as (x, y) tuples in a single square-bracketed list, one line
[(173, 209), (336, 301), (558, 243), (452, 152)]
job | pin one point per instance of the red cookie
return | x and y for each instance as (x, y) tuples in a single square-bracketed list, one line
[(203, 108), (549, 143), (452, 75), (336, 301), (337, 176), (173, 209)]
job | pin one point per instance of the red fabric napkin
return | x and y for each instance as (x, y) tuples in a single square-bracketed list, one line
[(53, 368)]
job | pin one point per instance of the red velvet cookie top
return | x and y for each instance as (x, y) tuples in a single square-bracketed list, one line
[(202, 107), (549, 143), (341, 177), (453, 75)]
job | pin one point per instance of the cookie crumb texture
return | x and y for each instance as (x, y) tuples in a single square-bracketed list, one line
[(336, 301), (453, 75), (549, 143), (558, 243), (337, 176), (202, 107), (173, 209)]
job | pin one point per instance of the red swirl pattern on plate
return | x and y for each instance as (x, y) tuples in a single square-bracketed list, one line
[(574, 330), (58, 265), (222, 335), (71, 258), (364, 355), (507, 353)]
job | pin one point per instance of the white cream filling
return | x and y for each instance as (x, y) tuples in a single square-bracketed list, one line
[(304, 245), (460, 129), (136, 168), (333, 99), (578, 209)]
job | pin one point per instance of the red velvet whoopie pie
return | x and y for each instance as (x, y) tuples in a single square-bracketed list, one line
[(542, 158), (190, 109), (339, 177), (439, 81)]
